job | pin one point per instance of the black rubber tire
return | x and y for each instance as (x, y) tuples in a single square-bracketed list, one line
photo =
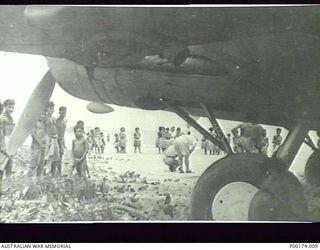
[(248, 168), (312, 169)]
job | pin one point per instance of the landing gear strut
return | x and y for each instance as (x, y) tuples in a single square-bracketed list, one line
[(248, 186), (312, 169), (220, 141)]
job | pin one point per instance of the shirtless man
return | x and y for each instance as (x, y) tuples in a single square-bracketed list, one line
[(61, 124), (52, 153), (38, 146), (277, 141), (6, 128)]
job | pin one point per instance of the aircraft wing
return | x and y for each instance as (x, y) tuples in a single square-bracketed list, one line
[(104, 36), (265, 53)]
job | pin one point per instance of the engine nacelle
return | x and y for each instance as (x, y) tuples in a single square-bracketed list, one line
[(48, 16)]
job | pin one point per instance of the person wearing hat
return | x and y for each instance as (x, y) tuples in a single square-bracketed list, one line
[(61, 124), (6, 128), (52, 153)]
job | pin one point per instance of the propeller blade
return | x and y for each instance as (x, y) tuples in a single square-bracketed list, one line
[(31, 113), (99, 108)]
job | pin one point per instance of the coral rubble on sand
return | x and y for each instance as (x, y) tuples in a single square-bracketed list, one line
[(106, 196)]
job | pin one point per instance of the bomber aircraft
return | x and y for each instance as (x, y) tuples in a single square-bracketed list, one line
[(252, 64)]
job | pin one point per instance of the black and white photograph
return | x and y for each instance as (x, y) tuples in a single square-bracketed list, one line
[(159, 113)]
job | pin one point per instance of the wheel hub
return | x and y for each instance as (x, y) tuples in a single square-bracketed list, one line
[(232, 202)]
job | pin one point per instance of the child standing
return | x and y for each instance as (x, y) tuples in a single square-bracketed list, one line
[(101, 143), (96, 140), (137, 140), (159, 135), (123, 140), (116, 142), (162, 140), (80, 148)]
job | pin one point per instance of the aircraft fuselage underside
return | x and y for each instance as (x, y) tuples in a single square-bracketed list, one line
[(143, 89)]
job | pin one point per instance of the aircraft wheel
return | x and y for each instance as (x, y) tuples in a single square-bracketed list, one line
[(312, 169), (245, 187)]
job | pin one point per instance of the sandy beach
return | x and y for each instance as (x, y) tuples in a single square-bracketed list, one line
[(122, 187)]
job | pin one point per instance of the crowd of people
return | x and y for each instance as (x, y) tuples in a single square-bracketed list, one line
[(166, 136), (96, 141), (120, 141), (48, 143), (247, 138), (252, 138)]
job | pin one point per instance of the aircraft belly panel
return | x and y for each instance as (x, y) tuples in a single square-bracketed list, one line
[(177, 87), (73, 78)]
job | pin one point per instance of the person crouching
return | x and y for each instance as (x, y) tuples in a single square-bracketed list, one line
[(178, 154), (170, 158), (184, 146)]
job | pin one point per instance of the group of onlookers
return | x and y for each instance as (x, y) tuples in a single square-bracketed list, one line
[(166, 136), (48, 143), (120, 141), (96, 141), (247, 138)]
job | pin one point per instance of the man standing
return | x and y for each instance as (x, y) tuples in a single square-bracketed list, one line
[(38, 146), (52, 154), (6, 128), (277, 141), (61, 124)]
